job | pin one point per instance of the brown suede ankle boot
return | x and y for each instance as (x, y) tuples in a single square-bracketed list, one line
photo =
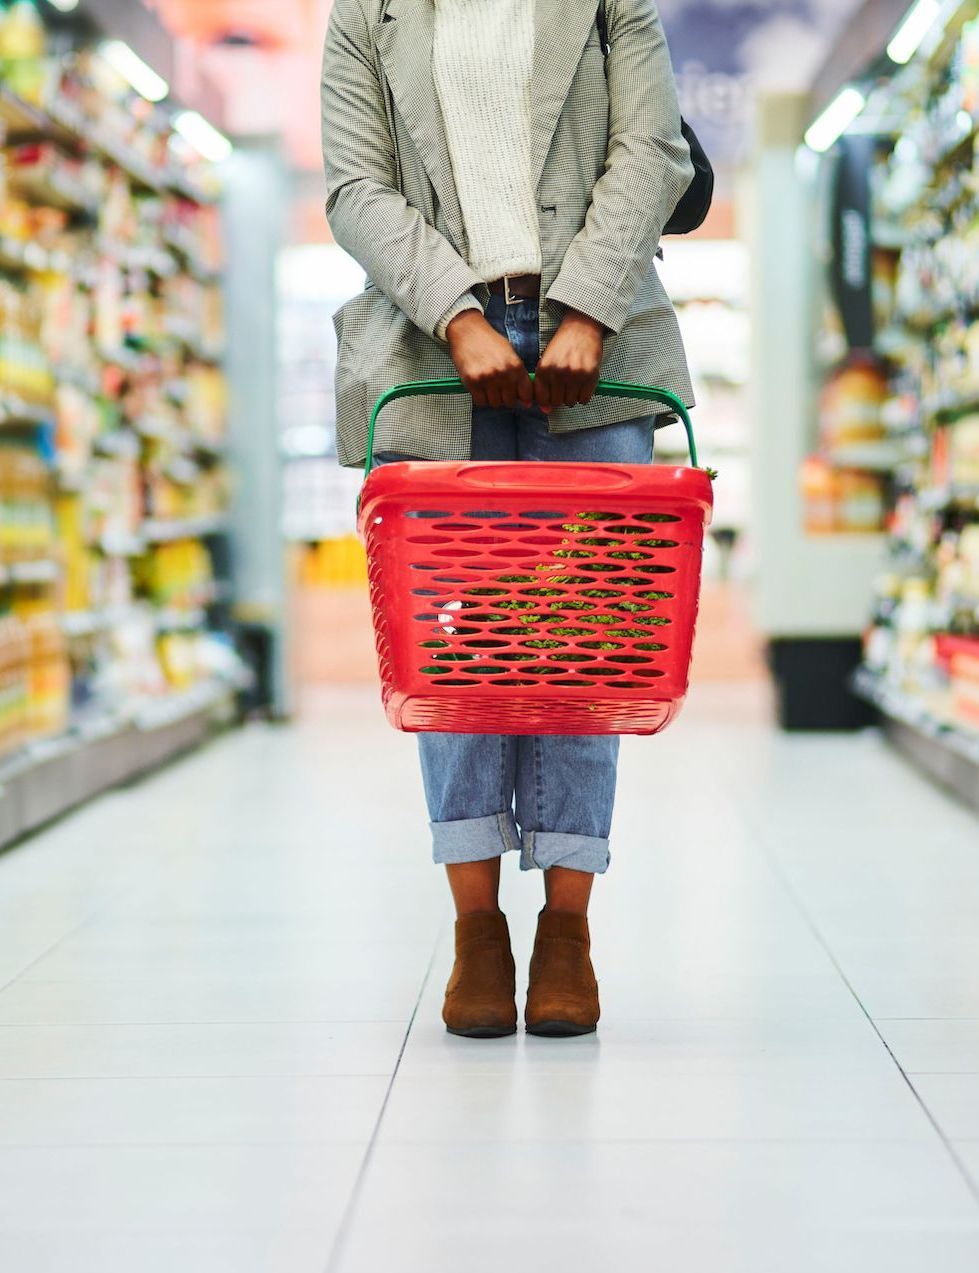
[(563, 995), (480, 997)]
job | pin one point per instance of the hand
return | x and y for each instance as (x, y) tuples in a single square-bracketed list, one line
[(487, 363), (568, 370)]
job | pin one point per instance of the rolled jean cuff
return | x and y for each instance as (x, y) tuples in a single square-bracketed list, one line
[(544, 849), (474, 839)]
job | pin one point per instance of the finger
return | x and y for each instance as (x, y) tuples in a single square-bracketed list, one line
[(542, 389), (494, 395), (525, 389), (570, 389), (587, 390)]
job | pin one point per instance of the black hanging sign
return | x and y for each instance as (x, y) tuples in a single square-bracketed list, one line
[(851, 276)]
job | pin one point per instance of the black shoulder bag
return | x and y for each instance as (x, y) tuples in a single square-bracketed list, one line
[(691, 212)]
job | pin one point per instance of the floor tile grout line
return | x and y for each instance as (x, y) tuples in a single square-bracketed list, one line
[(126, 1025), (167, 1076), (343, 1230), (356, 1142), (792, 893), (71, 932)]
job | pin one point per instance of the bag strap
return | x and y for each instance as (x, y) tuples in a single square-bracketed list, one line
[(602, 22)]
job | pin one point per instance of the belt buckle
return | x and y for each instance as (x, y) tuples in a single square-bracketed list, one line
[(510, 300)]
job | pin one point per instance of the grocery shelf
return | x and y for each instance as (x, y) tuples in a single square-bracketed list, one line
[(183, 245), (180, 620), (119, 442), (877, 457), (49, 777), (31, 572), (959, 494), (81, 623), (20, 118), (26, 257), (151, 259), (68, 128), (951, 404), (103, 318), (120, 544), (162, 530), (84, 623), (159, 531), (917, 391), (53, 190), (946, 751), (16, 413)]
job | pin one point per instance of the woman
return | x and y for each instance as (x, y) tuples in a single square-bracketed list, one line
[(505, 191)]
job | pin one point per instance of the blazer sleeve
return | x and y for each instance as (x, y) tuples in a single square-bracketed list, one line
[(647, 171), (409, 260)]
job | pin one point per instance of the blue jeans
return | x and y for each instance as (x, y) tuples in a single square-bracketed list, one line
[(549, 796)]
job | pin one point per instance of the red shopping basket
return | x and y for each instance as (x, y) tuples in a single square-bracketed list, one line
[(534, 597)]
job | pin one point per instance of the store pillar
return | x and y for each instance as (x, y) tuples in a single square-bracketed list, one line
[(810, 597), (258, 194)]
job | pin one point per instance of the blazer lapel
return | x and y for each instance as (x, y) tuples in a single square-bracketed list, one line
[(561, 28), (404, 43)]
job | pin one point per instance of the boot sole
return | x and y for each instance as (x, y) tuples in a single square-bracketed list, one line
[(483, 1032), (560, 1029)]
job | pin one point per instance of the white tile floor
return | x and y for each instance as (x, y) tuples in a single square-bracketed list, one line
[(220, 1045)]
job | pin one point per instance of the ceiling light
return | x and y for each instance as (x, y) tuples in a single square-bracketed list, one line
[(134, 70), (835, 119), (204, 137), (916, 25), (65, 6)]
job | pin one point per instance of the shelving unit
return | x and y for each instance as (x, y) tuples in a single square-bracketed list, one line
[(945, 750), (114, 595), (919, 139), (809, 590)]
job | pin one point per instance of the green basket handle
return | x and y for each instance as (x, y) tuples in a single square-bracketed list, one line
[(607, 388)]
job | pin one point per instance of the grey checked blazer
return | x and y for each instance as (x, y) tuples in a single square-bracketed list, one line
[(609, 165)]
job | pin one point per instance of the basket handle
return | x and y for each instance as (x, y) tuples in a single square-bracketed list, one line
[(607, 388)]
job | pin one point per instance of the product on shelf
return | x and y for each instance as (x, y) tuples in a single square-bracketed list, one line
[(113, 401), (26, 522), (13, 685), (48, 676), (840, 501), (22, 48), (332, 563), (852, 403), (905, 416), (959, 658), (25, 369)]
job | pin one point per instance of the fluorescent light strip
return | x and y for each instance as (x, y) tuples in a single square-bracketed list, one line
[(917, 23), (134, 70), (835, 119), (204, 137)]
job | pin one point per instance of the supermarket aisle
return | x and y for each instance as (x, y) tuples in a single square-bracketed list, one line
[(220, 1047)]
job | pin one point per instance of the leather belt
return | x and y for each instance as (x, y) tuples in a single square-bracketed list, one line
[(516, 287)]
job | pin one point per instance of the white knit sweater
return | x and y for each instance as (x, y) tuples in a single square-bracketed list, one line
[(482, 54)]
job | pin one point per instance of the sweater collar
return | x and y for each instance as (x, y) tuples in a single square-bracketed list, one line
[(404, 44)]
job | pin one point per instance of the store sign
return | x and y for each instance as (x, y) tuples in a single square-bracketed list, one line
[(851, 269), (725, 51)]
